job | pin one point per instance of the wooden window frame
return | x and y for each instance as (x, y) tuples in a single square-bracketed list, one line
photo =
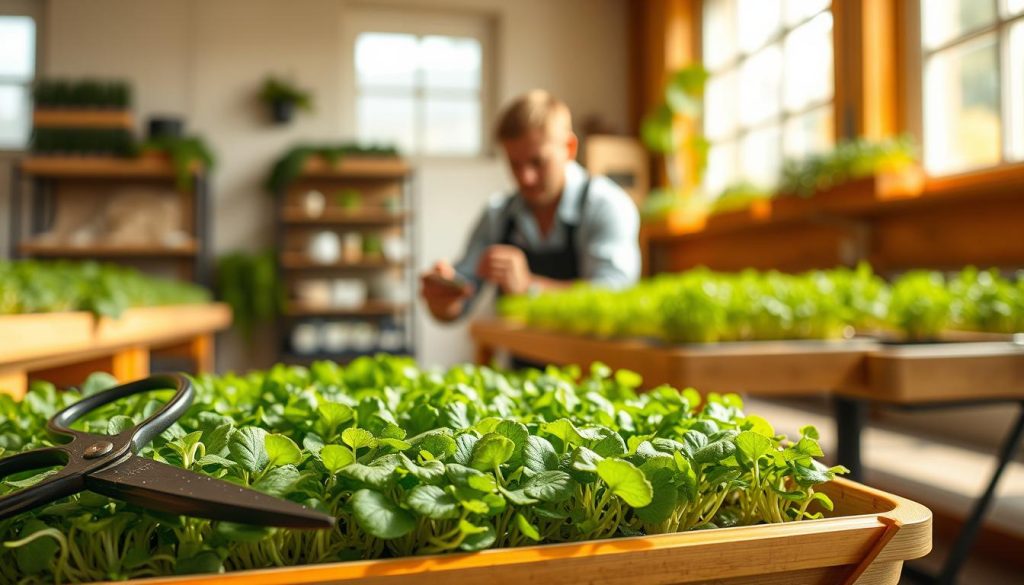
[(734, 64), (913, 61)]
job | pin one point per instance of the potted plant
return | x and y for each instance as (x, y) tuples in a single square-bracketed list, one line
[(283, 98), (666, 130)]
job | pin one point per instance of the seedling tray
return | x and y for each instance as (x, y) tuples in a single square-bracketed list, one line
[(865, 541)]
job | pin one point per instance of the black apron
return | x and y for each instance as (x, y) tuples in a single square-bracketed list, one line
[(561, 264)]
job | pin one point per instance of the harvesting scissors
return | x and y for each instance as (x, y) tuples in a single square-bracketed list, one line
[(109, 465)]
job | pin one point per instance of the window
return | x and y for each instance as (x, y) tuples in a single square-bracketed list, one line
[(17, 69), (770, 92), (973, 84), (421, 85)]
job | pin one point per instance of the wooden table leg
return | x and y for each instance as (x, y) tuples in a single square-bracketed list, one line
[(201, 350), (484, 354), (126, 364), (14, 382)]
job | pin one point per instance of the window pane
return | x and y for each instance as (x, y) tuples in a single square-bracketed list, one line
[(450, 62), (808, 77), (809, 133), (1016, 82), (761, 156), (385, 59), (800, 10), (452, 127), (17, 47), (760, 79), (961, 107), (1014, 6), (722, 168), (944, 20), (387, 120), (14, 116), (720, 105), (719, 32), (759, 21)]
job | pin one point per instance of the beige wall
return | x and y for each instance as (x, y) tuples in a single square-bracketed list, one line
[(205, 60)]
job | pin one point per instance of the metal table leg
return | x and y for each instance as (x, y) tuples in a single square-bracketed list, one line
[(965, 540), (851, 414)]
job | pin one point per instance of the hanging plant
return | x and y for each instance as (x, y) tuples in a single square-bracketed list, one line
[(662, 132), (283, 98)]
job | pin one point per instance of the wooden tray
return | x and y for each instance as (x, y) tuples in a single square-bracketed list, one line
[(942, 372), (866, 542), (759, 367)]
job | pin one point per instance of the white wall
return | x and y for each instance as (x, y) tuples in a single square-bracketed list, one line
[(205, 60)]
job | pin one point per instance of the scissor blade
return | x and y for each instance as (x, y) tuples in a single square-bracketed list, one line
[(163, 487)]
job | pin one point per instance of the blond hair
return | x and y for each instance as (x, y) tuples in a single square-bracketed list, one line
[(534, 110)]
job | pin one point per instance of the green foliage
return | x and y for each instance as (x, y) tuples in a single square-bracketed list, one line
[(701, 306), (85, 93), (186, 154), (84, 141), (848, 161), (502, 460), (32, 286), (289, 167), (249, 284), (739, 196), (276, 89)]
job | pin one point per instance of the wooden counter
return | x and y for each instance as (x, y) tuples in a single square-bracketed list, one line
[(64, 347)]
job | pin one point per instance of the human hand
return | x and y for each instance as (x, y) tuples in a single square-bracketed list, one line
[(507, 267)]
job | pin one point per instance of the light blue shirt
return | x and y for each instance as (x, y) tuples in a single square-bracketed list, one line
[(607, 235)]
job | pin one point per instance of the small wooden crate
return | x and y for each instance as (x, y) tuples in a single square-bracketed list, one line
[(866, 541)]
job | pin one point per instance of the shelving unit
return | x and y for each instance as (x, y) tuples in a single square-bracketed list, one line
[(385, 209), (56, 178)]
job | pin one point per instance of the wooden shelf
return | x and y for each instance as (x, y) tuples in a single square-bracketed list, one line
[(300, 261), (100, 167), (69, 118), (344, 356), (356, 167), (370, 309), (105, 251), (382, 217)]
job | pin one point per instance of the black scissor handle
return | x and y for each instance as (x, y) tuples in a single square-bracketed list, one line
[(143, 432), (63, 483)]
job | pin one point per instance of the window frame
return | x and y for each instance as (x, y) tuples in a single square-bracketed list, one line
[(32, 10), (736, 62), (913, 61), (480, 26)]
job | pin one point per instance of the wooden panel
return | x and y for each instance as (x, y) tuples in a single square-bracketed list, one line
[(943, 372), (763, 367), (795, 553), (83, 118), (770, 368), (143, 167), (357, 167), (791, 247), (564, 349), (982, 232)]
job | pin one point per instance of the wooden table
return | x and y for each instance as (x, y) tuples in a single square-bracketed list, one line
[(766, 368), (856, 374), (64, 348), (929, 377)]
